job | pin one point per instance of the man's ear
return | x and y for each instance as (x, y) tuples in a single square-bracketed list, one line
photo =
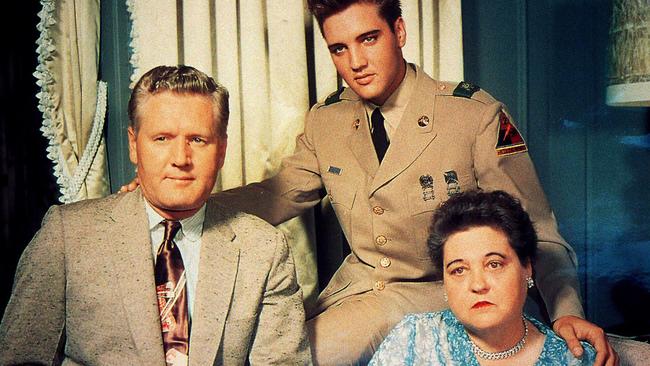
[(221, 151), (400, 31), (133, 147)]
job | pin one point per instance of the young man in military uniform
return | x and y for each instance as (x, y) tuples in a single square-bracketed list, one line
[(388, 150)]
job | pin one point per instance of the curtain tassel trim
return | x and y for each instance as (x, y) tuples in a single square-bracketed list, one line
[(133, 43), (69, 185)]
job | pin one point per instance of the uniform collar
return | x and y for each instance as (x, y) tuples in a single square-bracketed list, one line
[(395, 105)]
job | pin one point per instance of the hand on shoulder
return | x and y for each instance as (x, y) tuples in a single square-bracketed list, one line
[(573, 329)]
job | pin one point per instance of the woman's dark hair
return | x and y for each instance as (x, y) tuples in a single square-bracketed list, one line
[(496, 209)]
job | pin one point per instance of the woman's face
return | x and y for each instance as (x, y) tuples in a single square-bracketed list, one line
[(484, 279)]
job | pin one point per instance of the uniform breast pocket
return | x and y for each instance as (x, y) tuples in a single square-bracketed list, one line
[(342, 199), (424, 198), (422, 201)]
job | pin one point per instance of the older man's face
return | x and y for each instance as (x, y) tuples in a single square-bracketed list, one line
[(178, 152)]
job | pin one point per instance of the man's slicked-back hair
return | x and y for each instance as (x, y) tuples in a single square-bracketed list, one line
[(390, 10), (180, 79), (496, 209)]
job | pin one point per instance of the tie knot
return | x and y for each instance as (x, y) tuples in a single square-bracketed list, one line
[(171, 228), (376, 118)]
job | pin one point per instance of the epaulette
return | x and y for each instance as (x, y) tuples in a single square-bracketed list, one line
[(334, 97), (465, 89)]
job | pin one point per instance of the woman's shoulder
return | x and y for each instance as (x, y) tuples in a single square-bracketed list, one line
[(556, 351), (442, 318)]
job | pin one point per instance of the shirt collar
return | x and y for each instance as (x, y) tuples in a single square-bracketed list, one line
[(191, 227), (395, 105)]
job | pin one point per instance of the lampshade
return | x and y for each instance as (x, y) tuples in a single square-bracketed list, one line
[(629, 68)]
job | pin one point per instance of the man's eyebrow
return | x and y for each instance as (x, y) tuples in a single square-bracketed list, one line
[(360, 37), (373, 32), (334, 46)]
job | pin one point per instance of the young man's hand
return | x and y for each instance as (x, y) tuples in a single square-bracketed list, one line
[(574, 329), (131, 186)]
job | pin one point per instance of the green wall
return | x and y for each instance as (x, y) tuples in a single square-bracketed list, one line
[(547, 60), (115, 69)]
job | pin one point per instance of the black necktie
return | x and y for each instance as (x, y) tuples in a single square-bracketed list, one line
[(379, 138), (172, 303)]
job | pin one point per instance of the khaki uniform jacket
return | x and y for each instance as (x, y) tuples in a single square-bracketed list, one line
[(383, 210), (86, 283)]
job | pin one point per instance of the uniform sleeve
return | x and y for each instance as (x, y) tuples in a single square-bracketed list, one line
[(502, 163), (293, 190), (281, 336), (32, 327)]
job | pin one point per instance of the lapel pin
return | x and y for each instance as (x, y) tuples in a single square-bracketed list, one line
[(426, 181), (423, 121), (355, 124)]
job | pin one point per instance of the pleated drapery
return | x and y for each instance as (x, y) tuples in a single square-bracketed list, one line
[(273, 60), (71, 98)]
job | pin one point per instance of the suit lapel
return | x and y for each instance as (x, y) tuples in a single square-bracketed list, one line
[(133, 264), (360, 140), (414, 133), (217, 273)]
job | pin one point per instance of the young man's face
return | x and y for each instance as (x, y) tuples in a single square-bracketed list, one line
[(178, 152), (365, 52)]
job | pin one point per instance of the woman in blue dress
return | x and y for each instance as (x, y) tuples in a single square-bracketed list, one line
[(485, 244)]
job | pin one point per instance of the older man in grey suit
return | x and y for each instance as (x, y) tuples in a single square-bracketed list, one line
[(158, 275)]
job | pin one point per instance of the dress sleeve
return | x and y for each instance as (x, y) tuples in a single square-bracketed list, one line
[(398, 347)]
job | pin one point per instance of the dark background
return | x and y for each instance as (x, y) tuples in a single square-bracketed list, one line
[(546, 59), (27, 184)]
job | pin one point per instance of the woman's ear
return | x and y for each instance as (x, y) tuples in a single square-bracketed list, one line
[(528, 268)]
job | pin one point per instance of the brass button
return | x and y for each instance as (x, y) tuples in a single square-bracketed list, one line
[(378, 210), (380, 285), (381, 240), (385, 262)]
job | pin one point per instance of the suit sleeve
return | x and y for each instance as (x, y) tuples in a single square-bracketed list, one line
[(290, 192), (281, 337), (555, 266), (34, 320)]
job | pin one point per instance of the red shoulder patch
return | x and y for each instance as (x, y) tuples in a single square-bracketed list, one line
[(509, 140)]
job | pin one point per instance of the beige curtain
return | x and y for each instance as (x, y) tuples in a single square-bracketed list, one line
[(258, 50), (72, 100)]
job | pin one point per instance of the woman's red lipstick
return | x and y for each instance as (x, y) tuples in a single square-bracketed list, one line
[(481, 304)]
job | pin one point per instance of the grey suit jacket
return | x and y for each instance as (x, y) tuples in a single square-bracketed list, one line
[(84, 291), (385, 211)]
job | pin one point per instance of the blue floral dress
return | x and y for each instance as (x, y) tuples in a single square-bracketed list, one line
[(439, 339)]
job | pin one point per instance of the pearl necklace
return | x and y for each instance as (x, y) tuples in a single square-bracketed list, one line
[(503, 354)]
